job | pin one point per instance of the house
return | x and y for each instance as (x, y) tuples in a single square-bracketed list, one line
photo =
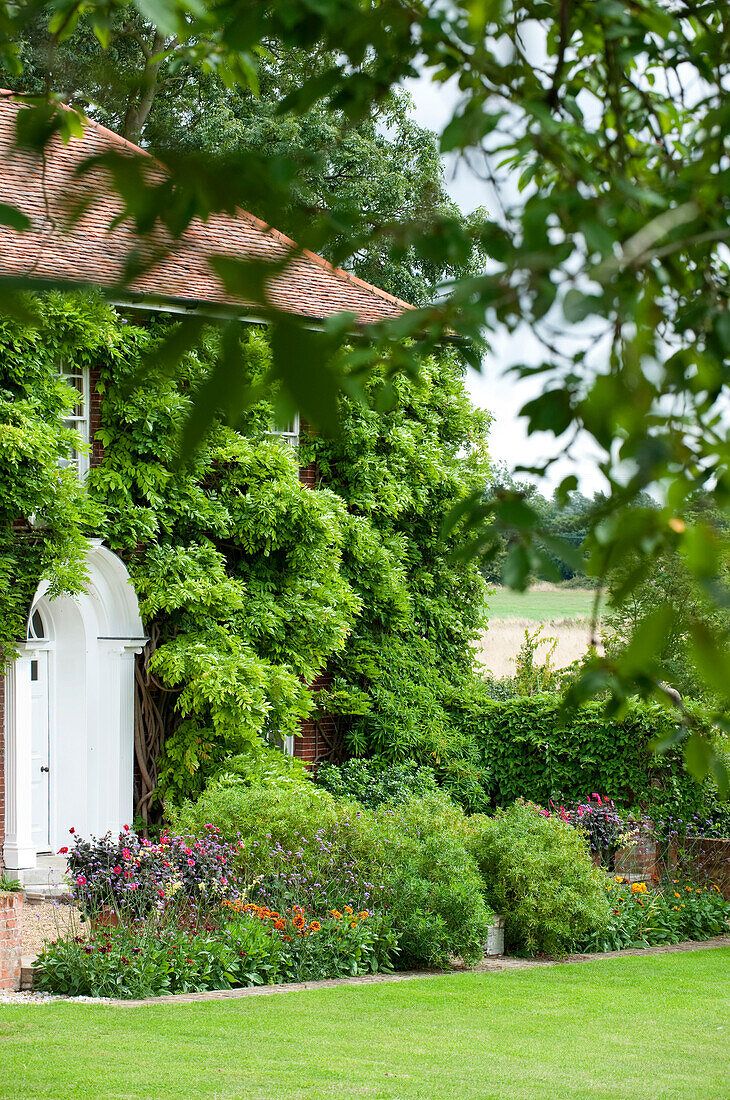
[(67, 701)]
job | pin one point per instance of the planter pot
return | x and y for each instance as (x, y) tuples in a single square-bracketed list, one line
[(495, 939)]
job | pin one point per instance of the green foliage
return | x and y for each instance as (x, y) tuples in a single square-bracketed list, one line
[(534, 747), (262, 767), (302, 846), (399, 467), (44, 514), (644, 918), (540, 877), (373, 782), (615, 232), (153, 960)]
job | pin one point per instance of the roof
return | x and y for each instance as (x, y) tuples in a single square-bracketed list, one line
[(90, 252)]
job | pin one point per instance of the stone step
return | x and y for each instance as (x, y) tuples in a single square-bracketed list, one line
[(41, 876), (36, 895)]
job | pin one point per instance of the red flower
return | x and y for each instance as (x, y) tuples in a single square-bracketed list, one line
[(117, 870), (126, 828), (81, 880), (62, 851), (72, 830)]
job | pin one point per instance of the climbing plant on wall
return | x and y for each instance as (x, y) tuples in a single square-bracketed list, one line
[(399, 464), (248, 582)]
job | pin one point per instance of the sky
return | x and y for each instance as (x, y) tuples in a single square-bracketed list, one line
[(493, 389)]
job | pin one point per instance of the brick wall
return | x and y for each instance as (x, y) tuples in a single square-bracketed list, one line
[(705, 860), (97, 450), (11, 939), (641, 861), (319, 738)]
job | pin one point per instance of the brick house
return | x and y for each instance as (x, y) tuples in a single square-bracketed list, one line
[(67, 701)]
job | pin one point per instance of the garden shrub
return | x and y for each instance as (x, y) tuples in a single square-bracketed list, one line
[(373, 782), (532, 748), (640, 917), (132, 876), (261, 767), (302, 846), (540, 877)]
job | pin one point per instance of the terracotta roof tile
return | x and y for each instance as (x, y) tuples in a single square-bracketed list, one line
[(89, 251)]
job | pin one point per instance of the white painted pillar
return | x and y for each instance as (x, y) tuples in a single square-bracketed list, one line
[(19, 851), (116, 721), (126, 723)]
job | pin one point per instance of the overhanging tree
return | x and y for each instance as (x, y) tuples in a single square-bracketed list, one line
[(616, 118)]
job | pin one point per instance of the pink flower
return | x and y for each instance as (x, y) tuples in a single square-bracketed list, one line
[(126, 828), (117, 870), (81, 880), (126, 854), (191, 863)]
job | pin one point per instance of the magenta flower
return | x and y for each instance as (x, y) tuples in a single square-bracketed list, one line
[(81, 879)]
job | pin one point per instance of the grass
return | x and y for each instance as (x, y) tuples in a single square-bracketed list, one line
[(541, 605), (635, 1028)]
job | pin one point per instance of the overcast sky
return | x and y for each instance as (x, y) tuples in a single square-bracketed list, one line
[(502, 394)]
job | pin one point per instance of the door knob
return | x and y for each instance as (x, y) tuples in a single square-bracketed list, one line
[(44, 769)]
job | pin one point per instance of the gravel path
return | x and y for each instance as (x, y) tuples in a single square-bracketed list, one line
[(48, 921)]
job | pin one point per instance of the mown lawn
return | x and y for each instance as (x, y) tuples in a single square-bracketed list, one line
[(617, 1030), (543, 605)]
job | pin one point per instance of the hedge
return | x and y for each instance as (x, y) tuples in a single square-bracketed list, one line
[(531, 749)]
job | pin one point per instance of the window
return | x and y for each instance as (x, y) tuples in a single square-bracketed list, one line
[(77, 417), (289, 433), (36, 627)]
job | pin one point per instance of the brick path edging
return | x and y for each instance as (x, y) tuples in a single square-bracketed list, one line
[(492, 966)]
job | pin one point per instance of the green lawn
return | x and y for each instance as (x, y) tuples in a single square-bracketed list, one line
[(541, 606), (623, 1029)]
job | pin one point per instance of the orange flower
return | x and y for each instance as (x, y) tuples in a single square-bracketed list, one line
[(336, 914), (280, 925), (299, 922), (349, 911), (363, 915), (315, 926), (638, 887), (353, 924)]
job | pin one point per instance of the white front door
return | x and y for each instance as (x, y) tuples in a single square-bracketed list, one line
[(40, 752)]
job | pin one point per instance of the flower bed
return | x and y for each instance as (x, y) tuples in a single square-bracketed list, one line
[(641, 917), (244, 945)]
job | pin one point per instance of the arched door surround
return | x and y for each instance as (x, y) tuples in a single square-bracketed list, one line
[(69, 725)]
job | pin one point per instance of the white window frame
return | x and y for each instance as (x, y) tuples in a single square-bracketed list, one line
[(290, 434), (80, 423)]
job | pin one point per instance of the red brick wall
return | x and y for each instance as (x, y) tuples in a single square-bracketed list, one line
[(97, 450), (309, 475), (11, 939), (319, 737)]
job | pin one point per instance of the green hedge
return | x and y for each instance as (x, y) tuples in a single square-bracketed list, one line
[(530, 749)]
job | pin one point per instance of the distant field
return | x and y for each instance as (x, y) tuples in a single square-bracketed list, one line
[(546, 604), (564, 613)]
